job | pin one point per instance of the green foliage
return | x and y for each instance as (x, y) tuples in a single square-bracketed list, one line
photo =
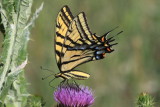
[(16, 22), (35, 101), (145, 100)]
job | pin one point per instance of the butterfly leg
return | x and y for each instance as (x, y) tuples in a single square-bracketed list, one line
[(78, 88), (67, 82), (51, 82), (63, 82)]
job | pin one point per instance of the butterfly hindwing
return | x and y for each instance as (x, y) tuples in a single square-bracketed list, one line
[(76, 74)]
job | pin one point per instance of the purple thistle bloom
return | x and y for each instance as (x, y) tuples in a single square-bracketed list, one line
[(73, 96)]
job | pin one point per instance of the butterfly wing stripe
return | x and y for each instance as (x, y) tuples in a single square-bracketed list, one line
[(83, 21), (81, 27), (59, 53), (72, 41), (67, 14), (66, 74), (66, 62), (79, 74), (64, 46), (57, 25), (73, 36), (69, 44), (77, 28), (91, 36), (82, 41), (69, 65), (63, 75), (73, 32), (67, 21), (59, 35), (75, 74), (64, 20), (58, 48), (61, 32)]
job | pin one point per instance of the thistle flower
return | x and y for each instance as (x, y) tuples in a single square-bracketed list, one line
[(145, 100), (72, 95)]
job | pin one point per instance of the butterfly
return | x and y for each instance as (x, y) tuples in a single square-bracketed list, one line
[(75, 44)]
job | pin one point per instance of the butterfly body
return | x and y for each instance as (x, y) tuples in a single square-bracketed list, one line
[(75, 44)]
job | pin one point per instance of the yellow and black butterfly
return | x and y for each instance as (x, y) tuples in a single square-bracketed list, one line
[(75, 44)]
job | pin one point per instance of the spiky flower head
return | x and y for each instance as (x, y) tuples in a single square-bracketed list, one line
[(145, 100), (71, 95)]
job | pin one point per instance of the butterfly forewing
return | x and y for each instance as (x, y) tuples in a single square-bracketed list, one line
[(64, 19)]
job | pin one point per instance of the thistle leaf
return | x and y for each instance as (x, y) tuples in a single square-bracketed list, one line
[(15, 17)]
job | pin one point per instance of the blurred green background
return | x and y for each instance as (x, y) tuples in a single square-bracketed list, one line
[(118, 79)]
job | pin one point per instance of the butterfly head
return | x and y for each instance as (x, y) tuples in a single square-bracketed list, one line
[(57, 75)]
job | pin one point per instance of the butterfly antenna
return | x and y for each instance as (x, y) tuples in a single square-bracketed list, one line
[(47, 76), (113, 44), (111, 39), (46, 69), (119, 32), (106, 34)]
